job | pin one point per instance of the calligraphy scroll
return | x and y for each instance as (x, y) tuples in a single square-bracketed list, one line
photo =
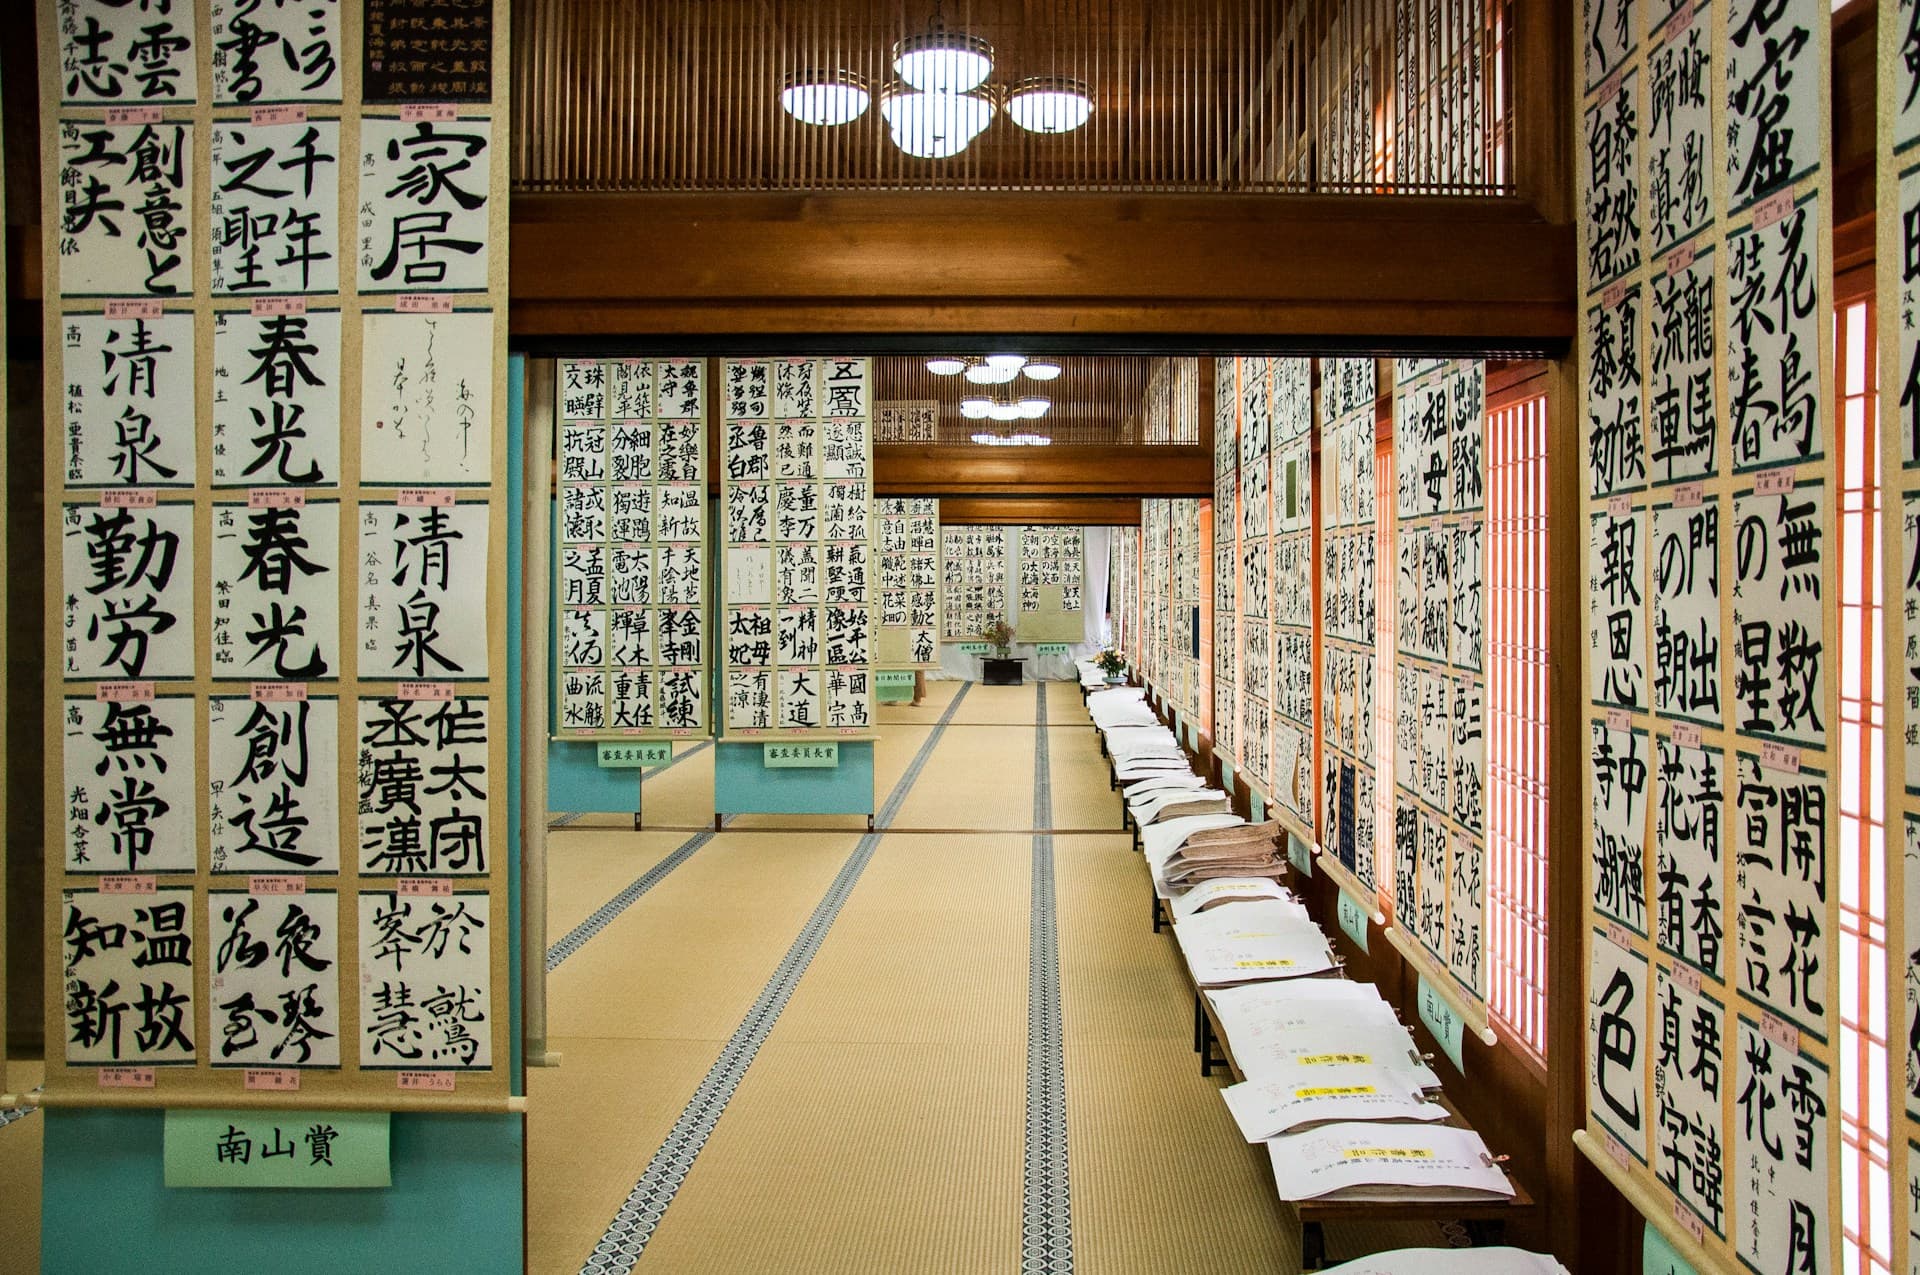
[(1709, 506), (1897, 260), (1253, 397), (1183, 679), (631, 646), (1052, 563), (909, 625), (1439, 671), (1290, 602), (1226, 561), (975, 574), (1348, 545), (277, 680), (797, 573)]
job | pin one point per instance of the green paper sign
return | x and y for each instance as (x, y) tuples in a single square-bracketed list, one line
[(1299, 856), (973, 648), (887, 678), (256, 1148), (616, 755), (801, 755), (1353, 920), (1447, 1026), (1658, 1258), (1051, 648)]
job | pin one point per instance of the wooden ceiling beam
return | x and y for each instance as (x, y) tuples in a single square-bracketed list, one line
[(1026, 472), (1086, 511), (1477, 270)]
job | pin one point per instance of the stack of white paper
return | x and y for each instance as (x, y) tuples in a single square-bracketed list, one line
[(1451, 1261), (1314, 1089), (1161, 841), (1399, 1162), (1269, 1025), (1247, 942), (1210, 894), (1178, 802)]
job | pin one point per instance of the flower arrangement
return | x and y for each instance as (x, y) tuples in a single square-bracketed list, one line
[(999, 635), (1111, 662)]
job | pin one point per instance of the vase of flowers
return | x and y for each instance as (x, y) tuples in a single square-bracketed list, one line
[(1001, 668), (1112, 663)]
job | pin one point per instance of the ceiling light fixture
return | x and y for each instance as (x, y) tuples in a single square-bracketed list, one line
[(1034, 406), (943, 61), (1007, 362), (1041, 370), (825, 97), (935, 125), (1049, 104), (946, 366), (975, 407)]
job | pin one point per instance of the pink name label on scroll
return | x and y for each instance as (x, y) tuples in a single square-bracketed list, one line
[(441, 691), (427, 1081), (126, 1077), (268, 116), (429, 113), (1619, 506), (276, 498), (1613, 296), (422, 303), (129, 498), (133, 115), (272, 1079), (1780, 757), (133, 308), (1780, 1032), (1620, 935), (1679, 259), (424, 496), (1686, 735), (128, 883), (1619, 719), (1688, 495), (275, 307), (1772, 209), (1775, 482), (1689, 1223), (276, 885), (122, 692), (424, 887), (1618, 1150), (1687, 976), (1681, 20)]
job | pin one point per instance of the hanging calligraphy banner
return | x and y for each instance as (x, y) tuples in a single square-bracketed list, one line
[(1897, 259), (975, 575), (1052, 563), (1713, 1075), (630, 615), (1227, 674), (277, 686), (1348, 546), (797, 576), (909, 625)]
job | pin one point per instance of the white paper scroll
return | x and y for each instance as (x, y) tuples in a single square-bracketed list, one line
[(275, 192), (115, 53), (130, 785), (275, 983), (276, 610), (424, 191), (128, 585), (426, 985), (423, 582), (274, 803), (126, 200), (129, 401), (127, 973), (426, 398), (266, 52), (276, 399), (423, 786)]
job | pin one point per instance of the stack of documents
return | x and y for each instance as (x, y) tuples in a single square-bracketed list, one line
[(1398, 1162), (1326, 1088), (1249, 942), (1244, 850)]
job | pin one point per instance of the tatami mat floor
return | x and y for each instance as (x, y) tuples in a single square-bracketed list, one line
[(880, 1121)]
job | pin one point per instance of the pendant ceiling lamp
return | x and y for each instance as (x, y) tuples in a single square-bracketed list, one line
[(942, 100), (1049, 104), (935, 125), (825, 97)]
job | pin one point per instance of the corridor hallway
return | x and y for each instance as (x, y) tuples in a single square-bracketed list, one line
[(793, 1046)]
